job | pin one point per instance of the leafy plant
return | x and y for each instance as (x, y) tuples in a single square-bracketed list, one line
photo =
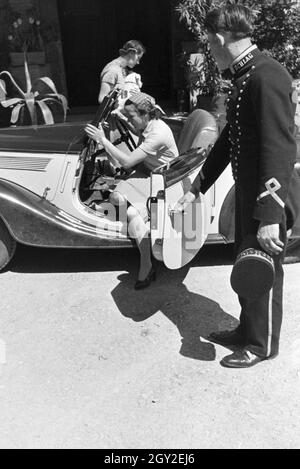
[(276, 32), (27, 32), (39, 95), (204, 75)]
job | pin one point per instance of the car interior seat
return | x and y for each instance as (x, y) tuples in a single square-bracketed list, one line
[(199, 130)]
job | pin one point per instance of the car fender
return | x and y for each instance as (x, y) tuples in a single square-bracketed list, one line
[(227, 217), (34, 221)]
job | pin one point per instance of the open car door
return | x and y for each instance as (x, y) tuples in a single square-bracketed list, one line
[(175, 237)]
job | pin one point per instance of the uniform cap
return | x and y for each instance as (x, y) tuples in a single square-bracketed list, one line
[(253, 274)]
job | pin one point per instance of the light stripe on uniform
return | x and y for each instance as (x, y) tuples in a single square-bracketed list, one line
[(270, 323)]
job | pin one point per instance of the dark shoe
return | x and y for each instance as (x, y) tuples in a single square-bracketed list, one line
[(140, 284), (226, 338), (242, 359)]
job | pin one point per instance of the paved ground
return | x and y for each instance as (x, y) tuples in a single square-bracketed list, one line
[(90, 363)]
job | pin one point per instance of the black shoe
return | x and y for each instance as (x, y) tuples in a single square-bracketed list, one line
[(226, 338), (242, 359), (140, 284)]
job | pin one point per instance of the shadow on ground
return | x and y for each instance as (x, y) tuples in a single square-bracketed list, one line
[(194, 315)]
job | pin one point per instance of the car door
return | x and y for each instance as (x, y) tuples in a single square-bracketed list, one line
[(176, 238)]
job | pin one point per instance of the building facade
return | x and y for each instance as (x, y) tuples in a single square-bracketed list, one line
[(90, 34)]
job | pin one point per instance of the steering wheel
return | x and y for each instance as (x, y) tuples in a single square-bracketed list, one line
[(104, 116)]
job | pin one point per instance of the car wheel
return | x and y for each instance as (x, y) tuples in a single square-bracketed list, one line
[(7, 246), (292, 251)]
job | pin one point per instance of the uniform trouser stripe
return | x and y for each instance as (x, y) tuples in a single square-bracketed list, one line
[(270, 324), (260, 320)]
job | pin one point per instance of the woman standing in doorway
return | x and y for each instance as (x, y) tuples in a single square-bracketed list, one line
[(114, 73)]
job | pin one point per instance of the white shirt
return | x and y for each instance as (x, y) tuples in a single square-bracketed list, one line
[(158, 143)]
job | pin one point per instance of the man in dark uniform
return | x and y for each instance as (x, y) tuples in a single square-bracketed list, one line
[(258, 141)]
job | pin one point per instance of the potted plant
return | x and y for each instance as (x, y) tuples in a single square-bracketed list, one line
[(276, 32), (27, 32), (39, 103), (204, 80)]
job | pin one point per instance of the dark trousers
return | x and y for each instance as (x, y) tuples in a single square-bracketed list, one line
[(260, 320)]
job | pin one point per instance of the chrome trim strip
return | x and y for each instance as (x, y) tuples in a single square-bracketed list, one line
[(66, 172)]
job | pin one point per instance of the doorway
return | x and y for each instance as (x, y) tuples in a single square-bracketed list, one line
[(92, 33)]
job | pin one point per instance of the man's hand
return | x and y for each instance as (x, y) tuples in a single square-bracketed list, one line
[(268, 238), (184, 201), (95, 133)]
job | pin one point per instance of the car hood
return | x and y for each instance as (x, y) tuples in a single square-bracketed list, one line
[(56, 138)]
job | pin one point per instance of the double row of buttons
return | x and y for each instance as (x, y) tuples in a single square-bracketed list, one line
[(235, 148)]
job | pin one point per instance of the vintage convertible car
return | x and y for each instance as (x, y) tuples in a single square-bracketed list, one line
[(54, 188)]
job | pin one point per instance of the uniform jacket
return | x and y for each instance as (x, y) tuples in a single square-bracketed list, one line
[(258, 138)]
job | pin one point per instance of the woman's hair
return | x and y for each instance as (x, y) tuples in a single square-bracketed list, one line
[(145, 104), (132, 46), (236, 19)]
